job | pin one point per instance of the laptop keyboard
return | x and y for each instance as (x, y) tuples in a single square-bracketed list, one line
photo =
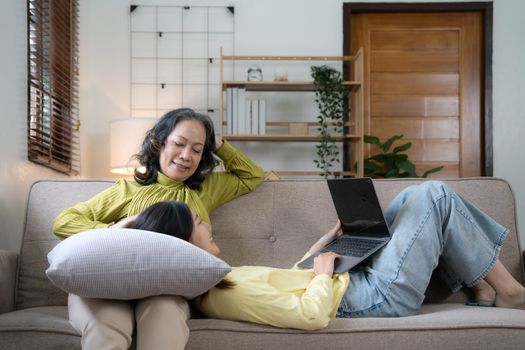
[(354, 246)]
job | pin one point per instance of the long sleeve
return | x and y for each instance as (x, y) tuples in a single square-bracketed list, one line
[(278, 297), (242, 176), (310, 310), (98, 212)]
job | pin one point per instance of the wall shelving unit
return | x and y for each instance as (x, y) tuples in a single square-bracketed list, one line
[(352, 137)]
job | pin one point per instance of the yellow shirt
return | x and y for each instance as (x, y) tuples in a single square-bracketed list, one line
[(287, 298), (126, 198)]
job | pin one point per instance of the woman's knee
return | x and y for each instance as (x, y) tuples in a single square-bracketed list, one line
[(163, 306), (161, 322), (102, 321), (433, 188)]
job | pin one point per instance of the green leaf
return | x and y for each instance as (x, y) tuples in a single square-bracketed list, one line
[(388, 143), (372, 166), (372, 140), (433, 170), (403, 148), (408, 166), (391, 173)]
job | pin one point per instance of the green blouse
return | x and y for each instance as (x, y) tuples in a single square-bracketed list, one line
[(126, 198)]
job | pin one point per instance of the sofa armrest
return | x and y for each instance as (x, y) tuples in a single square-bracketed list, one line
[(8, 266)]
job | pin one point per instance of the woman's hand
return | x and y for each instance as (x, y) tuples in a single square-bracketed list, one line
[(328, 237), (218, 143), (324, 263), (125, 223)]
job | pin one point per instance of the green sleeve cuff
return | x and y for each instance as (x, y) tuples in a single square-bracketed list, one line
[(227, 152)]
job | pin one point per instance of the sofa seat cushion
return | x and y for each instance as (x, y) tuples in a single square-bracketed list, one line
[(37, 328), (453, 326)]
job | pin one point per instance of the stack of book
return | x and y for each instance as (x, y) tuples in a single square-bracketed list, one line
[(243, 115)]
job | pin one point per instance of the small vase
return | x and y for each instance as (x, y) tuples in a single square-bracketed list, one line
[(280, 74)]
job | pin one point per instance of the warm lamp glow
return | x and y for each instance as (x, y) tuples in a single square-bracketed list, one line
[(125, 139)]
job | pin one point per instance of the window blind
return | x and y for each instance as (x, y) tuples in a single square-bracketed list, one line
[(53, 123)]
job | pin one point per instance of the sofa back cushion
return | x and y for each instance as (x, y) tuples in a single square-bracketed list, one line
[(273, 226), (46, 200)]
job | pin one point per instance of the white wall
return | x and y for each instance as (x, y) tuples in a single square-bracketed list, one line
[(509, 99), (286, 27), (16, 172)]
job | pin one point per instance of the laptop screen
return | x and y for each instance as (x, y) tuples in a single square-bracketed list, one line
[(357, 207)]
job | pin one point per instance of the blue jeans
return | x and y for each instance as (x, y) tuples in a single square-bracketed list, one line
[(431, 226)]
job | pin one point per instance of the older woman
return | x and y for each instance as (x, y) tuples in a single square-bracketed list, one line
[(178, 155)]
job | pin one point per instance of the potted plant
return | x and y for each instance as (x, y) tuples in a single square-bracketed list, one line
[(332, 100), (391, 164)]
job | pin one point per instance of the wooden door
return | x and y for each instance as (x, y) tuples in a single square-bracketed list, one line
[(422, 78)]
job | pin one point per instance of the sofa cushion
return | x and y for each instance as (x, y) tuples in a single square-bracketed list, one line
[(46, 200), (45, 327), (444, 326), (123, 263)]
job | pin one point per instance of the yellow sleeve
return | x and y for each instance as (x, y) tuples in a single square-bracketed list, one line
[(290, 307), (315, 306), (99, 211), (242, 176)]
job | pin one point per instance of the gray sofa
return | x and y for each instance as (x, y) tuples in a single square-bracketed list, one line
[(273, 226)]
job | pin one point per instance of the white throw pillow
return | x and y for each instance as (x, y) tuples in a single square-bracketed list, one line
[(128, 264)]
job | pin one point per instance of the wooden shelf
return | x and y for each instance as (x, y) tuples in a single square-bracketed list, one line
[(290, 58), (281, 85), (285, 138), (299, 131)]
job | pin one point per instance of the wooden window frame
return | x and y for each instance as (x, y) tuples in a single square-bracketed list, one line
[(53, 123), (486, 9)]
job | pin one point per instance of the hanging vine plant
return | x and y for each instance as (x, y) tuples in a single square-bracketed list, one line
[(332, 100)]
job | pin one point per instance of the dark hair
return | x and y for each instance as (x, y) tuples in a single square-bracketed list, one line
[(156, 137), (170, 218), (174, 219)]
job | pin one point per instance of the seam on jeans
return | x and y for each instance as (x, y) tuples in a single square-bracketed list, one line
[(360, 313), (414, 237), (495, 255), (471, 221)]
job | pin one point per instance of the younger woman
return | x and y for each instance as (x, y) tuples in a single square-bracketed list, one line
[(430, 224)]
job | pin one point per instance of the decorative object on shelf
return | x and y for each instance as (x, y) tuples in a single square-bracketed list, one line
[(255, 74), (332, 100), (280, 74), (392, 164)]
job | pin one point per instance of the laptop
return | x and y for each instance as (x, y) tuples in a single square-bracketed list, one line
[(364, 227)]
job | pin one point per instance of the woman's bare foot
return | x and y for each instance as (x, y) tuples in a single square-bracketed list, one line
[(484, 294), (513, 298), (509, 292)]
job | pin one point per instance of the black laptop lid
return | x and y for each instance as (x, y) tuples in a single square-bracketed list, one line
[(357, 207)]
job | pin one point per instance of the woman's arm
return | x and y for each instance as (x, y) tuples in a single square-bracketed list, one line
[(330, 236), (242, 175), (100, 211)]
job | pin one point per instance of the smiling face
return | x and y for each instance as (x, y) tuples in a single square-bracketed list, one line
[(182, 152), (202, 236)]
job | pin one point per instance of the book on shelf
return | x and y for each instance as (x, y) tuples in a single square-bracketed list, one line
[(229, 111), (262, 117), (243, 115), (235, 113), (241, 111), (254, 116)]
